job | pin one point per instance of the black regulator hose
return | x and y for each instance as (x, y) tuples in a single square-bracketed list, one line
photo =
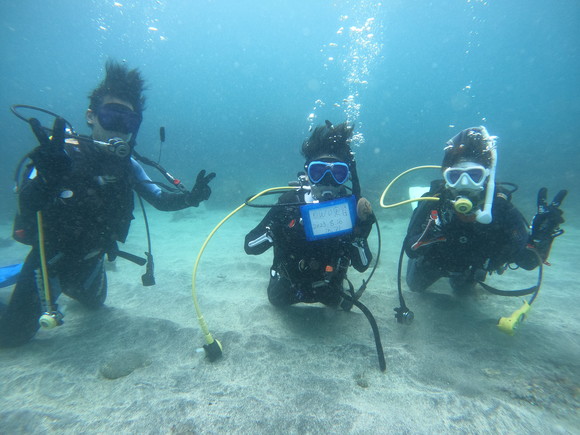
[(375, 328), (356, 190), (403, 314), (250, 203), (148, 278), (365, 283)]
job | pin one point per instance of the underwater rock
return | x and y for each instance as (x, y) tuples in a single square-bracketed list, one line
[(123, 364), (361, 380)]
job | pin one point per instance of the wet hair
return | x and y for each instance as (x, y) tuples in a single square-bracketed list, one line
[(470, 145), (122, 83), (329, 140)]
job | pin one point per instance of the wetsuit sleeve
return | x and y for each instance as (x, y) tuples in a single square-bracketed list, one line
[(362, 229), (425, 228), (416, 229), (523, 254), (360, 254), (34, 193), (262, 237), (148, 190)]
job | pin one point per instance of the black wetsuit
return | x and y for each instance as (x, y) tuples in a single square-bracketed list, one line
[(460, 249), (85, 213), (306, 271)]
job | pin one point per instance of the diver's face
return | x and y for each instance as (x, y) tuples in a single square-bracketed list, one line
[(103, 134), (466, 179), (326, 176)]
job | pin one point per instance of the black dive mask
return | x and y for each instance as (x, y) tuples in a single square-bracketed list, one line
[(119, 118)]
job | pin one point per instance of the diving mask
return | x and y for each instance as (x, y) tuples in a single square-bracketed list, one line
[(466, 176), (338, 170), (119, 118)]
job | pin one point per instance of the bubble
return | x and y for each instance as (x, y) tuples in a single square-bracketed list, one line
[(356, 47)]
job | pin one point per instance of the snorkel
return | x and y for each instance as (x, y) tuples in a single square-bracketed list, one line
[(484, 216)]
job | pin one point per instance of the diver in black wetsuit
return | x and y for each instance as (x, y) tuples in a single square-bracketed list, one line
[(474, 229), (85, 194), (312, 256)]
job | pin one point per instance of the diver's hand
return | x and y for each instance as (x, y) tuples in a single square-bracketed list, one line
[(366, 219), (546, 222), (49, 158), (364, 210), (201, 191)]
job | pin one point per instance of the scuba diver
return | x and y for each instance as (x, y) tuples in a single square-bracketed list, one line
[(474, 229), (319, 229), (76, 203)]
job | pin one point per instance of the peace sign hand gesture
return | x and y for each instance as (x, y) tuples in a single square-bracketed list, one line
[(546, 222)]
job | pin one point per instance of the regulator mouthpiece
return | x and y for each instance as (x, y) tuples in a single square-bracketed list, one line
[(115, 146), (463, 205), (119, 147)]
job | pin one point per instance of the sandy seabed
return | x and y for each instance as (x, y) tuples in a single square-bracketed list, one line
[(136, 365)]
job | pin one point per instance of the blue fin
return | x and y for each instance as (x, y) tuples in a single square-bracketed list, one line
[(9, 274)]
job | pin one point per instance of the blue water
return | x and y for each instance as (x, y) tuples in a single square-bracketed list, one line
[(234, 82)]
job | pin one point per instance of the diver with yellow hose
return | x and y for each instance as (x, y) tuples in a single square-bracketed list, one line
[(468, 228), (75, 205), (319, 229), (312, 251)]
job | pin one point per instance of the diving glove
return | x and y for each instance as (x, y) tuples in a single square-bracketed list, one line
[(201, 191), (546, 222), (49, 158)]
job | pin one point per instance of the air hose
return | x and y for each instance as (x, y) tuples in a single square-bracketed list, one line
[(408, 201), (51, 318), (509, 324), (375, 328), (213, 347)]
